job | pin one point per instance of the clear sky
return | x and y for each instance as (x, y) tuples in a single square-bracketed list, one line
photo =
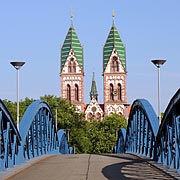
[(33, 31)]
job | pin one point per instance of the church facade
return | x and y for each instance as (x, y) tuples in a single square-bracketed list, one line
[(114, 76)]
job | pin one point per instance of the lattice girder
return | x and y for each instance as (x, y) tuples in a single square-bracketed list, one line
[(120, 148), (38, 133), (168, 139), (9, 139), (142, 129)]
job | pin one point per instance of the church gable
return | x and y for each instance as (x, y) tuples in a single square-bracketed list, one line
[(114, 64), (114, 41), (71, 42), (94, 111), (71, 64)]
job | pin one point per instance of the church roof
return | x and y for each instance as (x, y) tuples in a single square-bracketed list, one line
[(114, 41), (71, 42), (93, 92)]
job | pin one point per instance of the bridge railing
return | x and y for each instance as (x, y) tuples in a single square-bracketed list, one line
[(144, 136), (36, 136)]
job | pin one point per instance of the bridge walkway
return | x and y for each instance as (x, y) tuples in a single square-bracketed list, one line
[(91, 167)]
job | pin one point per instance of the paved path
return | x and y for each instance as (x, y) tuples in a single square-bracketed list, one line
[(90, 167)]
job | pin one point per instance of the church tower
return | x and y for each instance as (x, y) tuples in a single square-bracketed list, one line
[(94, 110), (72, 69), (93, 93), (114, 72)]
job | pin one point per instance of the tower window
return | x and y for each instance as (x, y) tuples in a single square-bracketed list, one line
[(119, 89), (69, 67), (72, 66), (76, 92), (111, 89), (68, 92), (114, 64)]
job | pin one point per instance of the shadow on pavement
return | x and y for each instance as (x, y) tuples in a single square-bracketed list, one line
[(133, 168)]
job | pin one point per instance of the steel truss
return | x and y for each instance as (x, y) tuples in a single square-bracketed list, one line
[(9, 139), (141, 130), (145, 137), (120, 148), (168, 138), (37, 135)]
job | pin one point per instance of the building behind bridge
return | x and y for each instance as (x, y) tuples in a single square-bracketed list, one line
[(114, 76)]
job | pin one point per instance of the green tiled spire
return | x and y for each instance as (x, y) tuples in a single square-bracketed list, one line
[(114, 41), (93, 92), (71, 42)]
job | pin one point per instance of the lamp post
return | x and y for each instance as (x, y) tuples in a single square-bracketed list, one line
[(17, 66), (158, 63)]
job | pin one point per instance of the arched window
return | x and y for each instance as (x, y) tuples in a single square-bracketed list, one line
[(69, 67), (74, 67), (119, 93), (114, 64), (90, 116), (68, 92), (76, 92), (98, 115), (111, 89)]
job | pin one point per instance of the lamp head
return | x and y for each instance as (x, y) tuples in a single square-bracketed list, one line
[(158, 62), (17, 65)]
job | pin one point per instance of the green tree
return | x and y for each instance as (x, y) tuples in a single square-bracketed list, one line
[(11, 106), (103, 133), (23, 105), (89, 137)]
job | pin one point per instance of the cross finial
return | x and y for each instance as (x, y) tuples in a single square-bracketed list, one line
[(71, 15), (113, 15)]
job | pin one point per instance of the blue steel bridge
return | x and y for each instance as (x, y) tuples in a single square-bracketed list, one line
[(144, 137)]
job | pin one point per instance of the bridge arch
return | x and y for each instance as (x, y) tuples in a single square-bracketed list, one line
[(168, 138), (9, 138), (38, 133), (142, 129), (120, 148)]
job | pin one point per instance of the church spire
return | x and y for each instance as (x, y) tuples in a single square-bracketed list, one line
[(72, 42), (93, 92), (114, 41)]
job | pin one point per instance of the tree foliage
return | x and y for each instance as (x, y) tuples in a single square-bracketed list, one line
[(88, 137)]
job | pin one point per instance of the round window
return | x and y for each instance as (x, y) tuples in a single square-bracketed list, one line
[(93, 109), (114, 58)]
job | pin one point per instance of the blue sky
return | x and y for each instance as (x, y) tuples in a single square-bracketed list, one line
[(33, 31)]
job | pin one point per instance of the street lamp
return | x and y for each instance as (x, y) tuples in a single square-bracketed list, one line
[(17, 66), (158, 63)]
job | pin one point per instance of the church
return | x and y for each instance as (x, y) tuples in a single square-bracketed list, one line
[(114, 76)]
